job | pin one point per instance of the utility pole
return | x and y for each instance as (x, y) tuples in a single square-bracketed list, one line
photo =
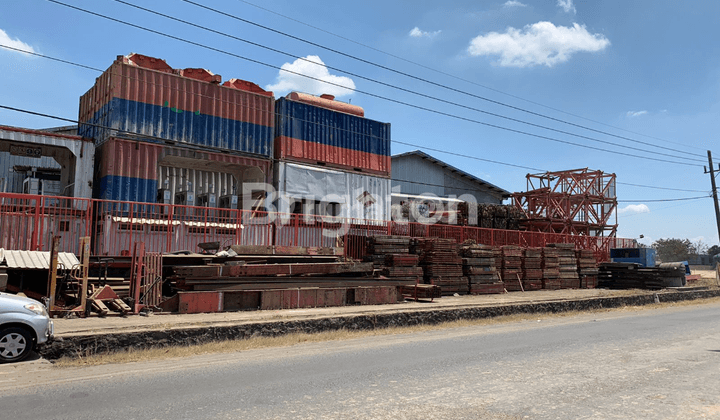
[(714, 189)]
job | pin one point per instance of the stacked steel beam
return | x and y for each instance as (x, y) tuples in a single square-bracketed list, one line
[(587, 268), (568, 265), (442, 265), (532, 264), (551, 269), (512, 267), (479, 268)]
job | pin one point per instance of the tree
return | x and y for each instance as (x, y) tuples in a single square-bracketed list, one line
[(713, 250), (669, 250)]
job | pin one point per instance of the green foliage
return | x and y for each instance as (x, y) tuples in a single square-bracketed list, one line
[(669, 250), (713, 250)]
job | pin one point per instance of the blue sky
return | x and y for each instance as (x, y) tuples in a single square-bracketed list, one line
[(648, 71)]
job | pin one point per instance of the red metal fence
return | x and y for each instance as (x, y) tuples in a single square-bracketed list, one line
[(28, 222)]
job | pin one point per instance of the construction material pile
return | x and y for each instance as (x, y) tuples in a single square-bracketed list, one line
[(532, 269), (479, 268), (512, 267), (551, 269), (629, 276), (268, 267), (491, 216), (635, 276), (442, 265), (587, 268), (568, 266), (381, 246)]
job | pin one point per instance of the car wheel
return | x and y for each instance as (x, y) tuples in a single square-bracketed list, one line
[(15, 344)]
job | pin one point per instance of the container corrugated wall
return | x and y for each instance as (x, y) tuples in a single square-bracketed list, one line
[(160, 104), (360, 196), (307, 133), (128, 170)]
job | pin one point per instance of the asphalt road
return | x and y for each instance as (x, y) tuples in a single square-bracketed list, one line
[(653, 363)]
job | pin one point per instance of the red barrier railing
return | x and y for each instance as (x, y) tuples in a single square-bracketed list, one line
[(28, 222)]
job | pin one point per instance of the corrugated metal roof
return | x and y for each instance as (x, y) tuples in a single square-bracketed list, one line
[(36, 259), (453, 169)]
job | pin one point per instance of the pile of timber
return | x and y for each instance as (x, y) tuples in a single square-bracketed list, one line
[(629, 276), (380, 246), (391, 258), (587, 268), (491, 216), (532, 264), (442, 265), (479, 268), (512, 267), (551, 269), (568, 265)]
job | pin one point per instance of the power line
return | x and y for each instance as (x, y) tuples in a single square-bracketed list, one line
[(665, 199), (462, 79), (398, 180), (367, 93), (50, 58), (323, 125), (413, 76), (423, 95)]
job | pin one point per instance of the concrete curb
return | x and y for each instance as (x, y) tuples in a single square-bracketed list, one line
[(86, 345)]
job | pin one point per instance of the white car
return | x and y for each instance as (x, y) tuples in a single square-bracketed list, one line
[(24, 324)]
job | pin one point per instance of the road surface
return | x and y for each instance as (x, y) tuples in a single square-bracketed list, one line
[(649, 363)]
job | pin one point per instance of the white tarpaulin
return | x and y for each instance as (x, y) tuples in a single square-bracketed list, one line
[(360, 196)]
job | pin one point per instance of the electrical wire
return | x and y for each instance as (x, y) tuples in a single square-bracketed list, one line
[(460, 78), (122, 132), (665, 199), (365, 92), (423, 95), (463, 92), (322, 125)]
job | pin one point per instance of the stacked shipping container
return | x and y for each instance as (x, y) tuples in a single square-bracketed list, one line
[(144, 99), (320, 130), (331, 157)]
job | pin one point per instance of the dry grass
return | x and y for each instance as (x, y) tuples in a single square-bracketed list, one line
[(229, 346)]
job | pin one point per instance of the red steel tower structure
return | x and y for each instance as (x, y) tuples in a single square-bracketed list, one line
[(576, 202)]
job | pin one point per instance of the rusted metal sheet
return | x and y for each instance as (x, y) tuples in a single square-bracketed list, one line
[(376, 295), (199, 302), (134, 171), (296, 269), (158, 103), (302, 298)]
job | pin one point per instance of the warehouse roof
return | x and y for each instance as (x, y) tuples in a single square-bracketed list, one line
[(456, 171)]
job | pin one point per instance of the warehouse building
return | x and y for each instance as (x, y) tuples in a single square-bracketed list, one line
[(422, 184)]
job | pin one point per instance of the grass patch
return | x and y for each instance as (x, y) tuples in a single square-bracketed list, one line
[(230, 346)]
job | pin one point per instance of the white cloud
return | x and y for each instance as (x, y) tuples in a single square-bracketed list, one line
[(634, 209), (541, 43), (567, 5), (514, 3), (417, 33), (633, 114), (14, 43), (319, 79)]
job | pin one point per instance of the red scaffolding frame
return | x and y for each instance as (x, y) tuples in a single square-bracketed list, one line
[(573, 202)]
